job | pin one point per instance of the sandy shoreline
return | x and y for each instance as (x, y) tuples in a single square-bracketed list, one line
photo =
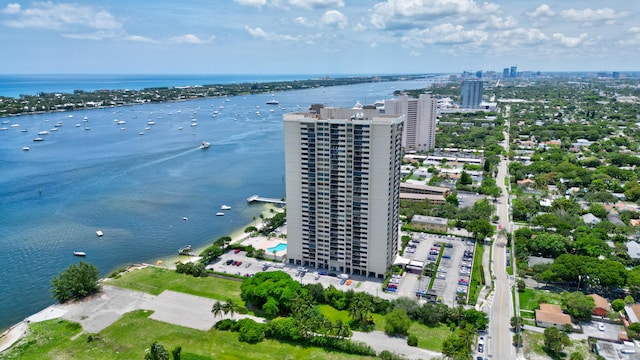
[(17, 331)]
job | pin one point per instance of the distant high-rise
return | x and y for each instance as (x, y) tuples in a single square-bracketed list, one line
[(505, 73), (479, 74), (420, 124), (514, 72), (471, 94), (343, 189)]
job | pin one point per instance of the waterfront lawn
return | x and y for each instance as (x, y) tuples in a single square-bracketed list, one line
[(129, 337), (154, 280)]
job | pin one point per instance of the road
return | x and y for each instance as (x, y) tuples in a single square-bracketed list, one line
[(501, 304)]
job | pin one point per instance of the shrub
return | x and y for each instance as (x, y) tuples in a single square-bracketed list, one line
[(225, 324), (250, 331), (412, 340), (388, 355)]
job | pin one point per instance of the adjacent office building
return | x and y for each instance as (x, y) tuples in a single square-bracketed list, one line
[(343, 187), (471, 94), (420, 123)]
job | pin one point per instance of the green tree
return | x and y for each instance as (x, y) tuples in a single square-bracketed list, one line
[(579, 305), (397, 322), (521, 285), (576, 356), (481, 228), (555, 340), (465, 178), (617, 305), (156, 352), (518, 340), (217, 309), (76, 282), (230, 307), (412, 340), (516, 323)]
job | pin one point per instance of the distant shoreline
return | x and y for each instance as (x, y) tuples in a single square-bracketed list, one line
[(49, 102)]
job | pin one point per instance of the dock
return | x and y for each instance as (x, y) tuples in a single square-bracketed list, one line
[(257, 198)]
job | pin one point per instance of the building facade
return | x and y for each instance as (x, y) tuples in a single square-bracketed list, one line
[(471, 94), (420, 123), (343, 186)]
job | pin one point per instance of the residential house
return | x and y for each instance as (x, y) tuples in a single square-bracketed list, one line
[(430, 223), (550, 315), (602, 305)]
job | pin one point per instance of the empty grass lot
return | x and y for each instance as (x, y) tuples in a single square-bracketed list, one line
[(129, 337), (155, 280), (429, 338)]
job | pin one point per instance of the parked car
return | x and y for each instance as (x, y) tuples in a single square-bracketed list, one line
[(322, 273), (446, 256), (480, 348), (236, 251), (601, 327), (432, 258), (230, 261)]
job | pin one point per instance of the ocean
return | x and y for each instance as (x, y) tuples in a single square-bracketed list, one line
[(137, 182)]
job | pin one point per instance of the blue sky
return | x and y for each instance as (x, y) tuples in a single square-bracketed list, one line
[(317, 36)]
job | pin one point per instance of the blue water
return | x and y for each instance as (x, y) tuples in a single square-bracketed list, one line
[(279, 247), (137, 188), (16, 85)]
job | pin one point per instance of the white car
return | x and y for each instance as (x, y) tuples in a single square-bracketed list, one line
[(601, 327)]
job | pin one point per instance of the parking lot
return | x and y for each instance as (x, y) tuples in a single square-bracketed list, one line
[(454, 270)]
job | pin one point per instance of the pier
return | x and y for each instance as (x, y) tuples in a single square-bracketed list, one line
[(257, 198)]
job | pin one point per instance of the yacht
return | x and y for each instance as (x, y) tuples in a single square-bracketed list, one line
[(219, 214), (25, 148), (205, 145), (79, 253), (99, 233), (225, 207), (43, 132), (38, 139), (273, 102)]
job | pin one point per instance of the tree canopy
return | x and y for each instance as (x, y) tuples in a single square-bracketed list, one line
[(76, 282)]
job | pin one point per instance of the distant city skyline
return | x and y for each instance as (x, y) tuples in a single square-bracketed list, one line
[(317, 36)]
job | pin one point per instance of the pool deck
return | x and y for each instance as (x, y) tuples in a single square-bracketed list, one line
[(264, 243)]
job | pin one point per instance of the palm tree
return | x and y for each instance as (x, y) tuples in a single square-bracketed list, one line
[(230, 307), (217, 309), (341, 330)]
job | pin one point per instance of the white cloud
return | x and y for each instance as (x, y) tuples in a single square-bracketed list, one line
[(189, 39), (594, 15), (138, 38), (261, 34), (256, 3), (444, 34), (520, 36), (570, 41), (635, 37), (496, 22), (334, 18), (316, 4), (11, 9), (541, 11), (373, 45), (47, 15), (304, 21), (404, 10)]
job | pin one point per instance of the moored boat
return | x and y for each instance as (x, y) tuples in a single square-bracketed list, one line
[(79, 253), (99, 233), (219, 214), (225, 207)]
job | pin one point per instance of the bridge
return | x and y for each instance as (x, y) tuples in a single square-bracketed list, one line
[(257, 198)]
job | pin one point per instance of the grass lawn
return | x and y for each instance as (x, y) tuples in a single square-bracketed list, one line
[(155, 280), (134, 332), (335, 315), (430, 338), (530, 298), (476, 277), (534, 344)]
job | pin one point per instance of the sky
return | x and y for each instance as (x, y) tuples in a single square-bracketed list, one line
[(317, 36)]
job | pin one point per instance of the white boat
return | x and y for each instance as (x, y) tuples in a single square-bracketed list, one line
[(25, 148), (121, 122), (43, 132), (77, 125), (273, 102), (205, 145), (180, 128), (99, 233), (225, 207), (79, 253), (24, 130), (185, 218), (141, 133), (38, 139), (151, 122), (219, 214)]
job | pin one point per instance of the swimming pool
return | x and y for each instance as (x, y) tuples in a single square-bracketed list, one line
[(277, 248)]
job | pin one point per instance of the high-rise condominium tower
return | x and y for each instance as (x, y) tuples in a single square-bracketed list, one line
[(420, 123), (343, 189), (471, 94)]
